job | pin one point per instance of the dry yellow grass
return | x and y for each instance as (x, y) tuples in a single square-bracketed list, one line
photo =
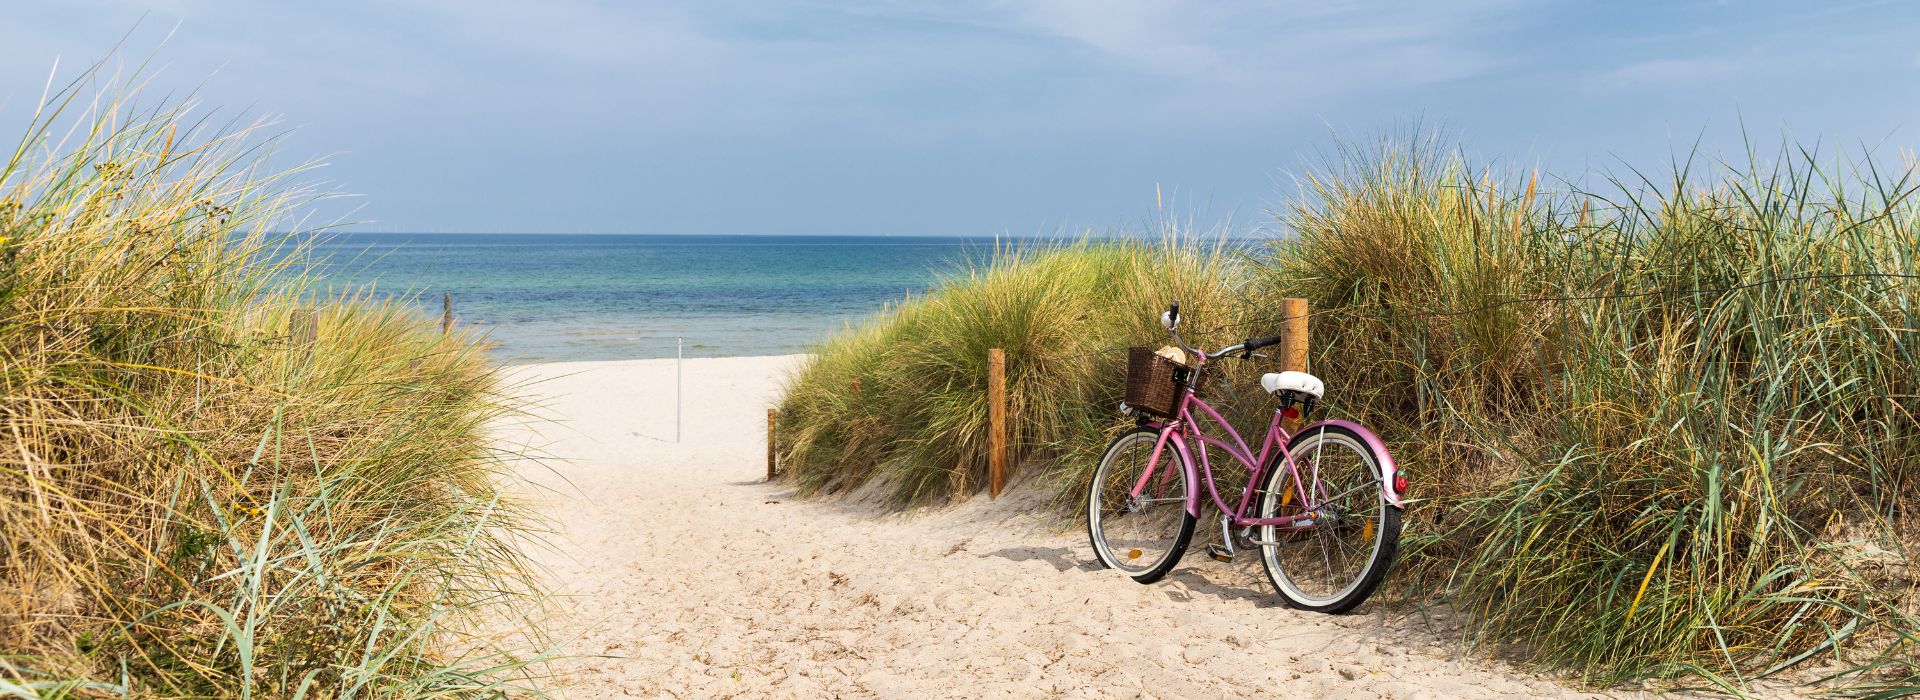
[(199, 498)]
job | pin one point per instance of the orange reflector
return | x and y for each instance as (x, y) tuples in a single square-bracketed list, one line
[(1133, 554), (1367, 531)]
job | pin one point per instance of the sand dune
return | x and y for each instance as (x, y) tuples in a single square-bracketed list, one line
[(688, 577)]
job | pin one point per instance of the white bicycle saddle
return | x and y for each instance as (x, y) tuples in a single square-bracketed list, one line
[(1276, 382)]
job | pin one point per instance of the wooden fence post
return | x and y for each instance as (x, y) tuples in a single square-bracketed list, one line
[(1294, 337), (996, 421), (773, 415), (446, 313)]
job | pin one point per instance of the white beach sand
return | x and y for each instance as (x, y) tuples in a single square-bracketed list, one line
[(689, 577)]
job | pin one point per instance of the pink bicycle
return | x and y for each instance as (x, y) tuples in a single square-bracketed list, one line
[(1323, 508)]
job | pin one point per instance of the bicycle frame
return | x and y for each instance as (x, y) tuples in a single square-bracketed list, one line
[(1185, 429)]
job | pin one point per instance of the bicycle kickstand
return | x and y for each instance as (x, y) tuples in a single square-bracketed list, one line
[(1223, 552)]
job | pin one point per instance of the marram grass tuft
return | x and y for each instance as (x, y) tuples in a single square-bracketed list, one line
[(901, 400), (201, 495), (1669, 429)]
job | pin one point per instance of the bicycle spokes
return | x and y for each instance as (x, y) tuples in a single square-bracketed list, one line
[(1141, 535), (1334, 555)]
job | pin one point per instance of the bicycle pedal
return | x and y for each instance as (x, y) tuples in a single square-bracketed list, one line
[(1219, 553)]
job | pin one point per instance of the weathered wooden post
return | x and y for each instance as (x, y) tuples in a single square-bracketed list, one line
[(446, 313), (996, 421), (1293, 343), (773, 416)]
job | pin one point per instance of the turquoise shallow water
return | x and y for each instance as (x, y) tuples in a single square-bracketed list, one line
[(551, 297)]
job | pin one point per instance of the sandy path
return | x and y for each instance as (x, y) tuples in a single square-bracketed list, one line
[(690, 578)]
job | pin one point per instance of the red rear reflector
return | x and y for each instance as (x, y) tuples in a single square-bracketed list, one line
[(1400, 484), (1290, 412)]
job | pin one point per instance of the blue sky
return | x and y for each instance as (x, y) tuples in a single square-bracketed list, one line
[(969, 117)]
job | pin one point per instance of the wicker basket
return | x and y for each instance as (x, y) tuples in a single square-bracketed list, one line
[(1154, 383)]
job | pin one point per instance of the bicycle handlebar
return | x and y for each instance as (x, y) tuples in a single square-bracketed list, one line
[(1245, 348), (1253, 344)]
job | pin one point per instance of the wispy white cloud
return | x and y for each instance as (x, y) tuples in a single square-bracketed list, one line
[(1046, 104), (575, 31), (1291, 45), (1152, 35), (1668, 72)]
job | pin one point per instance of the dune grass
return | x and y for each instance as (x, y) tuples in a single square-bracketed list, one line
[(901, 400), (1690, 455), (199, 498), (1666, 427)]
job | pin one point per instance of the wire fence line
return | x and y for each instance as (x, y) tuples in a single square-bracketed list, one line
[(1275, 321)]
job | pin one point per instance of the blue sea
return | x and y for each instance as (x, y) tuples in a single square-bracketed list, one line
[(552, 297)]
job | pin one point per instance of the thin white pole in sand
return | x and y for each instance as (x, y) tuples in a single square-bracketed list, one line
[(679, 358)]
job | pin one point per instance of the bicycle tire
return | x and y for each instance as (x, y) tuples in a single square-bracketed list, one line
[(1385, 540), (1100, 509)]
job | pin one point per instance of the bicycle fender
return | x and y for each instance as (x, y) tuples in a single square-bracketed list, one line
[(1389, 472), (1179, 443)]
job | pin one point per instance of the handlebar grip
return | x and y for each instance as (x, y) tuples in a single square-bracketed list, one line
[(1253, 344), (1173, 312)]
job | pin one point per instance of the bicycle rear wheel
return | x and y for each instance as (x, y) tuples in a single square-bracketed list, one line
[(1143, 537), (1332, 565)]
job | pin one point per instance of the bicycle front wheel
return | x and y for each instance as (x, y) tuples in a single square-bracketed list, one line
[(1334, 563), (1142, 536)]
